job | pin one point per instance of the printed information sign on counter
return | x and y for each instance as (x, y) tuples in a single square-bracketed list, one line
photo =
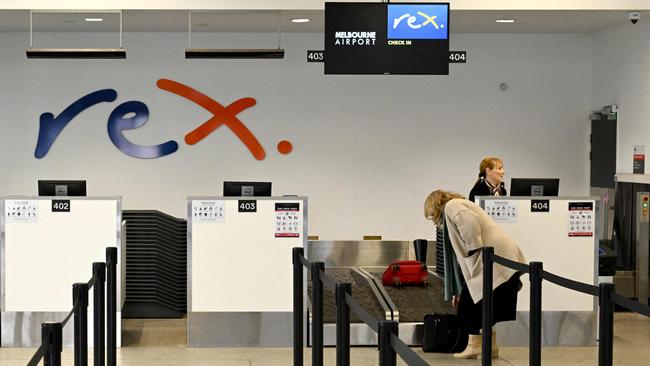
[(208, 211), (581, 219), (21, 211), (288, 221), (502, 211)]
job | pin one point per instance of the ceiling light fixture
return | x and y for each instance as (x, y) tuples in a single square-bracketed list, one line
[(74, 53), (237, 53), (300, 20), (505, 20)]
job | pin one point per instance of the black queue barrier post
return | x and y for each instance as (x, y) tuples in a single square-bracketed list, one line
[(99, 273), (317, 317), (342, 324), (488, 264), (52, 334), (535, 346), (111, 306), (387, 355), (80, 298), (606, 325), (298, 325)]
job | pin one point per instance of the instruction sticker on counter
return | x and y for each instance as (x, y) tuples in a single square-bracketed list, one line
[(502, 210), (581, 219), (21, 211), (288, 220), (209, 211)]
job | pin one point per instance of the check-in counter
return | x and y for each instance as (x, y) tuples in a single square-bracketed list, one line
[(46, 245), (562, 233), (240, 277)]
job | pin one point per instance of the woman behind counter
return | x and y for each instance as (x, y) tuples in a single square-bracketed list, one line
[(470, 229), (490, 179)]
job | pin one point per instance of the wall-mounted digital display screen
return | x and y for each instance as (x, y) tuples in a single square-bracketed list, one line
[(384, 38)]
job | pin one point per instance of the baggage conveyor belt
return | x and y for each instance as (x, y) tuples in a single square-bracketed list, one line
[(414, 302), (408, 304)]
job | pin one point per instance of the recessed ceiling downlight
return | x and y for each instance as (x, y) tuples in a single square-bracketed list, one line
[(300, 20)]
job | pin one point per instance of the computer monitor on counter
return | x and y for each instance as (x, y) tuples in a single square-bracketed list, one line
[(61, 187), (246, 189), (534, 186)]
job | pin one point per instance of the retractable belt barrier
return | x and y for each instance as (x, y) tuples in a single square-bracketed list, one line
[(607, 297), (388, 339), (52, 332)]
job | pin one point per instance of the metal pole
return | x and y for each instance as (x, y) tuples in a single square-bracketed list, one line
[(317, 309), (387, 355), (642, 249), (488, 262), (342, 325), (53, 334), (99, 273), (535, 346), (606, 325), (298, 309), (111, 306), (80, 297)]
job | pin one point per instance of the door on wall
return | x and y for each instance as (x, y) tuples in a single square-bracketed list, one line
[(603, 164)]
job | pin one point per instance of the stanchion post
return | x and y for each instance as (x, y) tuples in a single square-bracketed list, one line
[(99, 273), (111, 306), (298, 310), (52, 333), (387, 355), (606, 325), (80, 298), (488, 264), (342, 325), (535, 337), (317, 317)]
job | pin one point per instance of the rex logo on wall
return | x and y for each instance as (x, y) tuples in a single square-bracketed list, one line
[(134, 114)]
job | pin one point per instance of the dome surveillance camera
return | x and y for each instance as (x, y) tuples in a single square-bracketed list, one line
[(634, 16)]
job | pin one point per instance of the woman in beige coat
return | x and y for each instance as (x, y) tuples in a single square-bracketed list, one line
[(470, 229)]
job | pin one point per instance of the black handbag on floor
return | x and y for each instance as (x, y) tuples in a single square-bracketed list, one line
[(442, 333)]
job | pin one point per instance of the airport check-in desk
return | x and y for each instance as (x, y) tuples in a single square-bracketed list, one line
[(561, 232), (564, 242), (240, 273), (43, 252), (362, 263)]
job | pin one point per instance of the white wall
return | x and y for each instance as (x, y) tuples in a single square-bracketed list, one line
[(367, 149), (622, 76)]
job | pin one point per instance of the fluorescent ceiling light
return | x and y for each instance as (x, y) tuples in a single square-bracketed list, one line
[(300, 20), (505, 20), (94, 19)]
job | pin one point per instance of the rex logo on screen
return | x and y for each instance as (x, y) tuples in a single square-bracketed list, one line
[(134, 114), (418, 21)]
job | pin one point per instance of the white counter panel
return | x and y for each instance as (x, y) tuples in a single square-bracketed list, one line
[(228, 256), (544, 237)]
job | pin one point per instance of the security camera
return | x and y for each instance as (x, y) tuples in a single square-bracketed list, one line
[(634, 16)]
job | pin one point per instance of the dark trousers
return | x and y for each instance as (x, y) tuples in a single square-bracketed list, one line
[(504, 305)]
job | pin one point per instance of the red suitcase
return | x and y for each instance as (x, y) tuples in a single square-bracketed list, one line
[(405, 273)]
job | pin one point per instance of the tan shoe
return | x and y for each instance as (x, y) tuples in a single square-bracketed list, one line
[(473, 349), (495, 348)]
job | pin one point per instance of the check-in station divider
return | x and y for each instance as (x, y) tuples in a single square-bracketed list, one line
[(103, 281), (390, 345)]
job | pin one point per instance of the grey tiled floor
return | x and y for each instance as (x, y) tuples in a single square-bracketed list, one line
[(161, 343)]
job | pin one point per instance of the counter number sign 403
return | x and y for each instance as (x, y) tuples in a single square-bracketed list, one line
[(315, 56)]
